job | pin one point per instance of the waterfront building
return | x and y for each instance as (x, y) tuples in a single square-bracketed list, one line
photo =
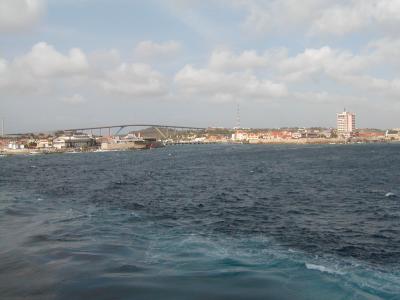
[(240, 136), (393, 134), (217, 138), (44, 144), (346, 123), (326, 134), (297, 135), (15, 146), (75, 141), (254, 138), (130, 142)]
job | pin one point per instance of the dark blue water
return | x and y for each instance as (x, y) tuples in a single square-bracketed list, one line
[(202, 222)]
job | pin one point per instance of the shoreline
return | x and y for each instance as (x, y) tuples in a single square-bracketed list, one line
[(25, 152)]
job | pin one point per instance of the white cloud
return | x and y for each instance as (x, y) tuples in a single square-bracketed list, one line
[(134, 80), (74, 99), (15, 80), (325, 97), (356, 15), (312, 62), (226, 60), (384, 88), (242, 85), (274, 74), (319, 17), (104, 59), (357, 72), (226, 75), (43, 69), (340, 20), (321, 61), (19, 14), (45, 61), (3, 72), (264, 17), (386, 50), (148, 50), (46, 70)]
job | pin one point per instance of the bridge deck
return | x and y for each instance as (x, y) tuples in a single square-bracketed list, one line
[(123, 126)]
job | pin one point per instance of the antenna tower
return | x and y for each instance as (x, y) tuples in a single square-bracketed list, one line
[(237, 115)]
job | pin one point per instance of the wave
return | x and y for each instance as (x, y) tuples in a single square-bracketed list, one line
[(323, 269), (259, 257)]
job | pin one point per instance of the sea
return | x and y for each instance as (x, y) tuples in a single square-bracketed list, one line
[(202, 222)]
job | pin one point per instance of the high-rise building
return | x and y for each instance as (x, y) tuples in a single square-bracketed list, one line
[(346, 122)]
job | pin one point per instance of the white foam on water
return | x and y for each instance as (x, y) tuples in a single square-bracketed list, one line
[(323, 269), (199, 243), (170, 250), (390, 195), (134, 214)]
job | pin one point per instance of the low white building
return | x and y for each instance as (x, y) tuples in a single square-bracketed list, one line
[(327, 134), (393, 134), (75, 141), (240, 136), (15, 146), (199, 140), (297, 135), (44, 144)]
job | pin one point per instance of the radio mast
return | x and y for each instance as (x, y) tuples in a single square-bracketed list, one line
[(238, 115)]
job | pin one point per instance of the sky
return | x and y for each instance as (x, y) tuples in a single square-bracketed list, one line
[(82, 63)]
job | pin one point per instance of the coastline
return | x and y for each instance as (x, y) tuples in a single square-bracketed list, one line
[(313, 141)]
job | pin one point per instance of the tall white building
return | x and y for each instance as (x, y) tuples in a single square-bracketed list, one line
[(346, 122)]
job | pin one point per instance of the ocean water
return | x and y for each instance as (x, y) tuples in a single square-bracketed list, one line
[(202, 222)]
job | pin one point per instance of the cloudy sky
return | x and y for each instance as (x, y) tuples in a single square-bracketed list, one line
[(72, 63)]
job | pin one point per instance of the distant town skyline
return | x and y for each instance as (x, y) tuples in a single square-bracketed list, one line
[(82, 63)]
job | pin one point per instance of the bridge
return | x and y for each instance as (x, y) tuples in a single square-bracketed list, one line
[(163, 130), (159, 128)]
